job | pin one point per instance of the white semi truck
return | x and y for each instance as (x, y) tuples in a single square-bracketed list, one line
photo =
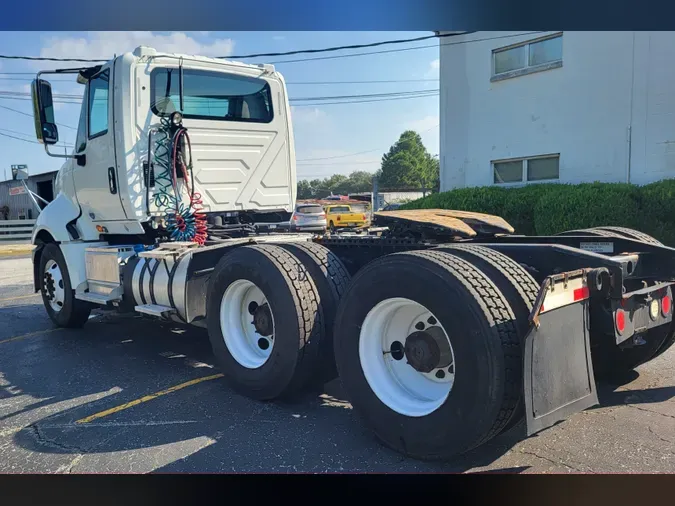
[(444, 327)]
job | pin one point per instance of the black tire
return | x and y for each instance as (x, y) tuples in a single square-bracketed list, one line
[(517, 285), (331, 227), (74, 313), (298, 320), (631, 234), (331, 279), (592, 232), (484, 339)]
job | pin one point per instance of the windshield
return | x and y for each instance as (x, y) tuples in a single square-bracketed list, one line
[(340, 209), (310, 209), (211, 95)]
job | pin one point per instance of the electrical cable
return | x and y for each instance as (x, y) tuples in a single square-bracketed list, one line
[(305, 51), (30, 116)]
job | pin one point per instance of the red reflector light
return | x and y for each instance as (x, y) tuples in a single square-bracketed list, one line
[(620, 320), (665, 305), (581, 293)]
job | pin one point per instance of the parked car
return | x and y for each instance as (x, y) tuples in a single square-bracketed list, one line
[(308, 218), (392, 207)]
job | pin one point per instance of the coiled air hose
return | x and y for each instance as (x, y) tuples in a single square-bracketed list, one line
[(183, 222)]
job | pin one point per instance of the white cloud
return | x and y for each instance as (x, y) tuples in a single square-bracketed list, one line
[(424, 124), (434, 67), (307, 115), (106, 44)]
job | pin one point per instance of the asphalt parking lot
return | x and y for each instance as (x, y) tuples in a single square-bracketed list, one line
[(130, 395)]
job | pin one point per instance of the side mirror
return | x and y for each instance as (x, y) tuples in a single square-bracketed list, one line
[(43, 112)]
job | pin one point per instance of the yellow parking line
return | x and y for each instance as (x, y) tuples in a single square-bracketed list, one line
[(146, 398), (21, 297), (39, 332)]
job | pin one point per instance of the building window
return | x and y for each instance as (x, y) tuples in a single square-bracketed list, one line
[(523, 170), (527, 57)]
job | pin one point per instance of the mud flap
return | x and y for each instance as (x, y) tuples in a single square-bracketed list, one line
[(558, 371)]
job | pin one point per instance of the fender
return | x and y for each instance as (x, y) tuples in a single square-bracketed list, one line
[(55, 219)]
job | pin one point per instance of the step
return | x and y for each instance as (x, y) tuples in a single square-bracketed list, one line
[(96, 298), (155, 310)]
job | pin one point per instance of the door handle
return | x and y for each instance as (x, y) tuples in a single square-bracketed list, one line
[(111, 180)]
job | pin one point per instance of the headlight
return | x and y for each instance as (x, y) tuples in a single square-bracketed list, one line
[(177, 118)]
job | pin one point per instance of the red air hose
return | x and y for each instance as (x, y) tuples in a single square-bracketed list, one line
[(196, 204)]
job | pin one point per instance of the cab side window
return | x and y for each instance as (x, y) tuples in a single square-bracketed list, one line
[(98, 104), (81, 139)]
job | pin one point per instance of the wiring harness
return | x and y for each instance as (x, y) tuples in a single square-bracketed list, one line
[(184, 222)]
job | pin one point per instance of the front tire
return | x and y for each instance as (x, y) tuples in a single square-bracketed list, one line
[(264, 322), (57, 292), (439, 313)]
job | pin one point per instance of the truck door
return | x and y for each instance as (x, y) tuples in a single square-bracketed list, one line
[(95, 174)]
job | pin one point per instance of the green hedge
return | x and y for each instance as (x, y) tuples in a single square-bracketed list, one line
[(545, 209)]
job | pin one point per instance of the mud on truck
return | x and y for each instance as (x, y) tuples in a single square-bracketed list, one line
[(445, 328)]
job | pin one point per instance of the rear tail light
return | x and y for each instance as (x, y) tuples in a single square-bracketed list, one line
[(665, 305), (338, 218), (364, 217), (295, 217), (322, 215), (620, 320)]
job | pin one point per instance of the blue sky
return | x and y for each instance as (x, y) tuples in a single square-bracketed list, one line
[(320, 131)]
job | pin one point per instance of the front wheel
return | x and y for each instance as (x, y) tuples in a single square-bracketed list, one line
[(57, 292)]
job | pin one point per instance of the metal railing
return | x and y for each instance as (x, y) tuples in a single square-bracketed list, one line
[(16, 231)]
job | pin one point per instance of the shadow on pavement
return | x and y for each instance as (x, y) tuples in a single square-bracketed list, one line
[(69, 374)]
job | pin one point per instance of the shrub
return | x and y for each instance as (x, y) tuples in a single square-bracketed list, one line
[(547, 209)]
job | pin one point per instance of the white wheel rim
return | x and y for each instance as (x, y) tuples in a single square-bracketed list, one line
[(248, 347), (395, 382), (53, 286)]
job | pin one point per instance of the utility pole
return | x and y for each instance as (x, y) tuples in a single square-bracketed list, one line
[(375, 196)]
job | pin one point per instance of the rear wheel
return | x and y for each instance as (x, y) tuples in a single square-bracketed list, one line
[(428, 353), (512, 280), (264, 321), (57, 292), (331, 279)]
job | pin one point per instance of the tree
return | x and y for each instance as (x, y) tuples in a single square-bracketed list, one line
[(408, 164), (337, 184)]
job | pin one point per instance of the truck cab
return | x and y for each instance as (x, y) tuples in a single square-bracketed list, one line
[(113, 183)]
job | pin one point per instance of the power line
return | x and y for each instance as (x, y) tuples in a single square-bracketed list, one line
[(367, 100), (354, 154), (383, 81), (304, 51), (404, 49), (337, 163), (363, 95), (30, 116), (32, 142), (44, 58), (353, 46)]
